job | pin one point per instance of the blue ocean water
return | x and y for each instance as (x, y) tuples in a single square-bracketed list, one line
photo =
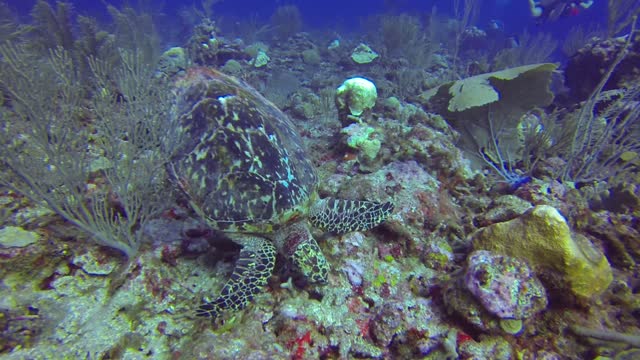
[(325, 14)]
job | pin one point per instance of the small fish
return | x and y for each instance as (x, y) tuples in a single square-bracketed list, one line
[(513, 42), (496, 25)]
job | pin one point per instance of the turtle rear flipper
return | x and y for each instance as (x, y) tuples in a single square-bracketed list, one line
[(250, 275), (341, 216)]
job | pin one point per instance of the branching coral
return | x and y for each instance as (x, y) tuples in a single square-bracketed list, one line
[(53, 27), (533, 49), (9, 27), (621, 14), (605, 127), (407, 37), (136, 31), (607, 335), (286, 21), (101, 177)]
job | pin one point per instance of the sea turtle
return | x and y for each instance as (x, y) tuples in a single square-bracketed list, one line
[(242, 167)]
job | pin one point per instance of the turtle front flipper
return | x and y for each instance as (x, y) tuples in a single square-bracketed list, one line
[(342, 216), (250, 275)]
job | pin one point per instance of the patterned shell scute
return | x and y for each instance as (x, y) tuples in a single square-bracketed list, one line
[(240, 159)]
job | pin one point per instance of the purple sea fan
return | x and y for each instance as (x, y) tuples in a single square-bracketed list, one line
[(505, 286)]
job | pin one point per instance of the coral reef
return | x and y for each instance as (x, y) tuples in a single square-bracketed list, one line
[(355, 96), (514, 233), (362, 138)]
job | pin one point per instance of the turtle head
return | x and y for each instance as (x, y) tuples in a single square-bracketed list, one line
[(298, 245)]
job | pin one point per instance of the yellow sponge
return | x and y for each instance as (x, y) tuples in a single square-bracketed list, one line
[(543, 238)]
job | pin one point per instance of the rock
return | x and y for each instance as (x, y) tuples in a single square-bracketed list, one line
[(232, 67), (417, 194), (474, 38), (17, 237), (394, 322), (586, 67), (461, 303), (503, 208), (505, 286), (542, 237), (94, 264), (172, 62), (495, 348), (387, 323), (311, 57), (497, 293), (206, 47)]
